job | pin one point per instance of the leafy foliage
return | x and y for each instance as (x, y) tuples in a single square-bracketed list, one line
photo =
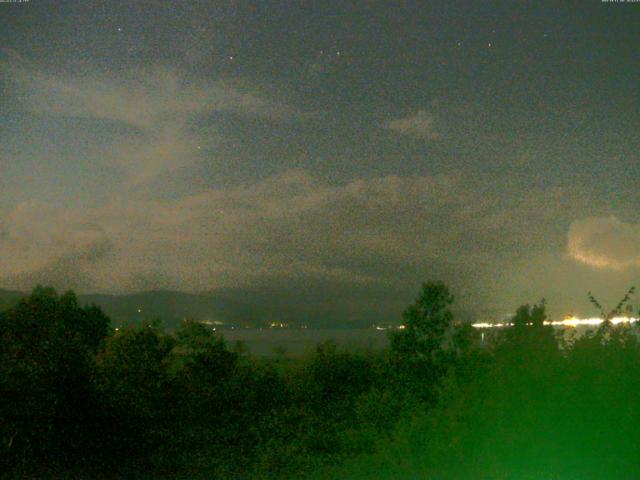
[(47, 346), (425, 324), (618, 309), (82, 400)]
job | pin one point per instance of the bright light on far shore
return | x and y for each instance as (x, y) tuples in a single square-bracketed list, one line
[(567, 322)]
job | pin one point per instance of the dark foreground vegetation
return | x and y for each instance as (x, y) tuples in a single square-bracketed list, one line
[(81, 400)]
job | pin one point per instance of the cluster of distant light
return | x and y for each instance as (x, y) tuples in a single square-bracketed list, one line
[(389, 327), (567, 322)]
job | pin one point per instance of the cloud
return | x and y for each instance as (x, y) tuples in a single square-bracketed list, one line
[(419, 125), (605, 243), (163, 150), (143, 229), (166, 114), (291, 227), (141, 97), (39, 244)]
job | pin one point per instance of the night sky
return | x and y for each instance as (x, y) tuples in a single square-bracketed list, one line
[(324, 157)]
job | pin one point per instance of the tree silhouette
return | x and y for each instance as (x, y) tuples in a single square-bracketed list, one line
[(529, 336), (47, 345), (617, 310), (425, 323)]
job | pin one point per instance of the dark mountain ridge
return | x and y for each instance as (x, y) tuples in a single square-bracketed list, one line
[(170, 307)]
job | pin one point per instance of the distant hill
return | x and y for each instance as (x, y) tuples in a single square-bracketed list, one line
[(315, 306), (168, 306)]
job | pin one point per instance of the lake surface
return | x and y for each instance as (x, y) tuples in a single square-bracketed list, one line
[(300, 341)]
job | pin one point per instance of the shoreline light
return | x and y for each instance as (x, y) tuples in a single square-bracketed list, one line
[(567, 322)]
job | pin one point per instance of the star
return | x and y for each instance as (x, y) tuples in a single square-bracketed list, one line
[(119, 29)]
